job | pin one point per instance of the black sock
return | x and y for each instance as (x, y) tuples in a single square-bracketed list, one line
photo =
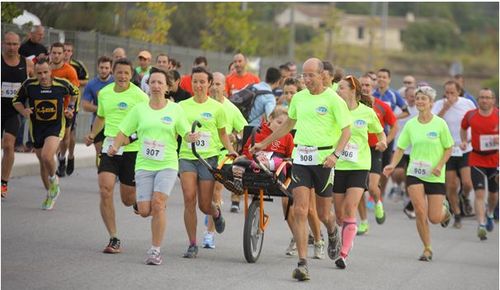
[(302, 262), (4, 182)]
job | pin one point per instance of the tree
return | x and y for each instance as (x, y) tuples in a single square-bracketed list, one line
[(229, 29), (10, 11), (440, 35), (150, 22)]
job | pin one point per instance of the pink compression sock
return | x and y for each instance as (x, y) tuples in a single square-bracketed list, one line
[(349, 230)]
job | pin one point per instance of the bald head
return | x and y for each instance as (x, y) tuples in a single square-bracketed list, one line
[(313, 63), (118, 53), (37, 33), (218, 87)]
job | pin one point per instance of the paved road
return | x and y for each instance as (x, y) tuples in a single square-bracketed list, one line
[(61, 249)]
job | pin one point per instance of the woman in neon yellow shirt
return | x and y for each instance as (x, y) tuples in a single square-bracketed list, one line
[(351, 170), (431, 143), (197, 182), (157, 123)]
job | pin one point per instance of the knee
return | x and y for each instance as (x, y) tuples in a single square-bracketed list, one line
[(419, 211), (300, 211), (106, 192), (467, 186), (190, 203), (206, 209), (47, 158), (128, 201), (144, 213), (157, 207), (8, 147)]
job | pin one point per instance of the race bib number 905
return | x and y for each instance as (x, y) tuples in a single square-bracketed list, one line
[(420, 169)]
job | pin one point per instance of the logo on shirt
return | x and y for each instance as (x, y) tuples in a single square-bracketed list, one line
[(359, 123), (432, 135), (122, 106), (206, 116), (46, 110), (321, 110), (166, 120)]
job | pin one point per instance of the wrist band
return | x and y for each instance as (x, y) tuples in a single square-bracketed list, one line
[(334, 154)]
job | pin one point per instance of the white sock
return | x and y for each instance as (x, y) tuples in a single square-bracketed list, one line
[(155, 248), (52, 178)]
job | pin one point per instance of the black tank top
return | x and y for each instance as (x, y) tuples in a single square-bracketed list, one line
[(12, 78)]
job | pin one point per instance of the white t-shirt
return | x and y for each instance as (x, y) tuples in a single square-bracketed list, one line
[(453, 118), (401, 123)]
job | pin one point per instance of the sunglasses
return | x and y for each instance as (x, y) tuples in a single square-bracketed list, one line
[(351, 78)]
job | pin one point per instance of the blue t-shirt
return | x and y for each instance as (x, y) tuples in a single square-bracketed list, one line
[(392, 98), (467, 95), (92, 88), (263, 104)]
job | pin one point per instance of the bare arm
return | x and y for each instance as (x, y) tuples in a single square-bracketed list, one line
[(463, 138), (280, 132), (437, 170), (88, 106), (392, 132), (225, 140)]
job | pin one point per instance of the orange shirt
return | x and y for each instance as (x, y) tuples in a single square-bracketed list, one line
[(69, 73), (234, 82), (186, 85)]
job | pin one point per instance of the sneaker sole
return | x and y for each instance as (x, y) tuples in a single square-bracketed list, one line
[(340, 263), (300, 276), (110, 250), (153, 263), (207, 246)]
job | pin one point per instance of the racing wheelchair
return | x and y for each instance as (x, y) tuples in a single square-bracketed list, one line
[(258, 185)]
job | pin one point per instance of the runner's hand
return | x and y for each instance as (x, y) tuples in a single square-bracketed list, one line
[(68, 113), (256, 148), (463, 146), (27, 112), (388, 170), (193, 137), (436, 171), (330, 161), (112, 151), (381, 146), (89, 139)]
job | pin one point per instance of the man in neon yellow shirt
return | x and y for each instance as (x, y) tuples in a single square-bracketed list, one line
[(322, 120), (114, 102)]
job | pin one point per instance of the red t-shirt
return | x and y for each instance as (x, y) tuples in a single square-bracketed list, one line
[(481, 125), (186, 85), (385, 116), (234, 82), (283, 146)]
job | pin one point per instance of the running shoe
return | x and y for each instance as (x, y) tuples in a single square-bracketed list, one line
[(54, 188), (292, 248), (301, 273), (447, 217), (5, 189), (467, 207), (61, 168), (154, 257), (319, 250), (209, 240), (458, 222), (481, 232), (219, 222), (340, 262), (426, 256), (46, 202), (113, 247), (409, 213), (310, 239), (191, 252), (379, 213), (235, 206), (334, 244), (71, 166), (362, 228), (490, 223), (50, 202)]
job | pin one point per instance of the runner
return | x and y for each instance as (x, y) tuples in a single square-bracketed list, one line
[(15, 70), (197, 182), (186, 81), (387, 119), (90, 100), (452, 109), (157, 124), (61, 69), (290, 87), (45, 96), (115, 101), (431, 143), (351, 171), (162, 63), (235, 124), (483, 123), (314, 112), (240, 78)]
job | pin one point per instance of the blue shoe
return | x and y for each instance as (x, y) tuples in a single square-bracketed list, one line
[(209, 240), (490, 223)]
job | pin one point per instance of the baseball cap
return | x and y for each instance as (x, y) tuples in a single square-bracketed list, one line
[(144, 54)]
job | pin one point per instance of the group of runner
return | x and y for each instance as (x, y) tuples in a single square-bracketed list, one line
[(345, 129)]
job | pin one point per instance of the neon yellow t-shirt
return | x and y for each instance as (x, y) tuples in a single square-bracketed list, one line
[(157, 132), (428, 143), (212, 117), (319, 120), (113, 107), (235, 121), (356, 155)]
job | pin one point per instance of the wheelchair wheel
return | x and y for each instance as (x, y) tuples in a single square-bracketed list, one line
[(253, 237)]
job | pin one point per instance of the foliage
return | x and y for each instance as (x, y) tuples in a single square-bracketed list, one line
[(229, 29), (10, 11), (431, 35), (150, 22), (188, 20)]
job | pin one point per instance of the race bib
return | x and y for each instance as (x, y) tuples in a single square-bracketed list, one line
[(350, 152), (108, 141), (488, 142), (420, 169), (306, 155), (203, 143), (153, 150), (456, 151), (267, 154), (9, 90)]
